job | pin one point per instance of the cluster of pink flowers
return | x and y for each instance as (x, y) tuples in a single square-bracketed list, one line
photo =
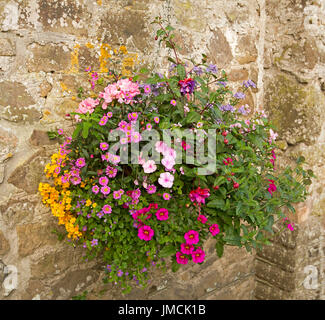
[(87, 105), (272, 187), (128, 128), (187, 249), (273, 158), (123, 91), (134, 195), (114, 159), (105, 118), (199, 195)]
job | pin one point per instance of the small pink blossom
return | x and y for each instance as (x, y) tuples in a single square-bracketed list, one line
[(181, 258), (187, 248), (103, 146), (166, 196), (191, 237), (107, 209), (203, 219), (105, 190), (162, 214), (151, 188), (214, 229), (103, 181), (168, 162), (198, 255), (145, 233), (80, 163)]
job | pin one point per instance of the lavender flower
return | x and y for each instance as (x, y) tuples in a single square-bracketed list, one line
[(249, 83), (212, 68), (239, 95), (227, 107), (198, 70)]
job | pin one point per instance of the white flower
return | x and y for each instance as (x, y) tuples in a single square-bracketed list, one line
[(149, 166), (166, 180)]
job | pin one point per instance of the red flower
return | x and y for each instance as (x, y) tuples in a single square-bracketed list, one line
[(199, 195)]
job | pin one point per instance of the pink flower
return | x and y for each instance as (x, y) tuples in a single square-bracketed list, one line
[(87, 105), (161, 146), (202, 218), (156, 119), (148, 126), (75, 172), (187, 248), (116, 195), (162, 214), (133, 116), (185, 146), (173, 102), (136, 137), (75, 180), (169, 153), (166, 196), (60, 131), (272, 187), (105, 190), (166, 180), (199, 195), (107, 209), (103, 181), (111, 172), (103, 146), (151, 188), (214, 229), (290, 227), (95, 189), (149, 166), (109, 114), (168, 162), (198, 255), (191, 237), (181, 258), (80, 162), (145, 233)]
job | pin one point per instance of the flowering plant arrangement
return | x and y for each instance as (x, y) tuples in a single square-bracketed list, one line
[(156, 166)]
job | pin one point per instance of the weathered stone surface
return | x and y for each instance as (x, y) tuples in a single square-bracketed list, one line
[(238, 74), (32, 236), (4, 244), (121, 26), (48, 58), (32, 170), (219, 49), (16, 103), (247, 48), (45, 88), (7, 48), (73, 283), (294, 109), (40, 138), (34, 290)]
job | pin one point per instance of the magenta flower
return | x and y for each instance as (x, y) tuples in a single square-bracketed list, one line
[(272, 187), (203, 219), (173, 102), (116, 195), (166, 196), (103, 146), (151, 188), (156, 119), (187, 248), (162, 214), (290, 227), (145, 233), (57, 170), (191, 237), (95, 189), (214, 229), (107, 209), (147, 89), (133, 116), (105, 190), (65, 178), (181, 258), (81, 162), (103, 181), (109, 114), (198, 255), (75, 180), (60, 131), (199, 195), (75, 172)]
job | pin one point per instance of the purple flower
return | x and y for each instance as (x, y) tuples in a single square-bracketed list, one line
[(239, 95), (119, 273), (212, 68), (187, 86), (100, 214), (94, 242), (227, 107), (223, 83), (249, 83), (198, 70)]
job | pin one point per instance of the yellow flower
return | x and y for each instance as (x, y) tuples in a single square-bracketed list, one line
[(88, 203)]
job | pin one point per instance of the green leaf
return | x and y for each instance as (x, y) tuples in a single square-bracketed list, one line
[(217, 203), (193, 117), (85, 129), (175, 266), (219, 248), (76, 131), (167, 251), (181, 71)]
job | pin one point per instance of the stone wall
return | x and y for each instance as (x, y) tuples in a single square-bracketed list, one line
[(45, 47)]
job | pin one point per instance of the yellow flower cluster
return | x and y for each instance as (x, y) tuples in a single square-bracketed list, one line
[(58, 197)]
